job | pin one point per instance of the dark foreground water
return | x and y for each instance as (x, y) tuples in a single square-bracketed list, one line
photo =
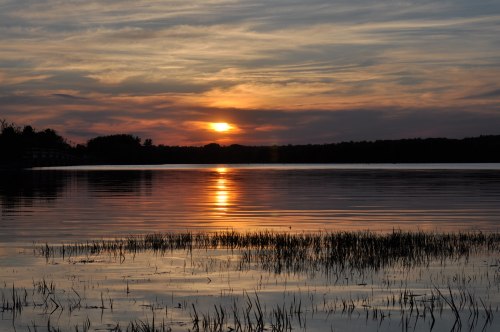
[(90, 202)]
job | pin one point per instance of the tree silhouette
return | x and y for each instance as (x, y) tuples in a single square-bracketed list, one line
[(120, 148), (18, 146)]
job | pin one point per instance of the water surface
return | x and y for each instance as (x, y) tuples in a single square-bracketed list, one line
[(99, 292), (106, 201)]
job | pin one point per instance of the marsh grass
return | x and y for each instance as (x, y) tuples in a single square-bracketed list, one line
[(343, 262), (288, 252)]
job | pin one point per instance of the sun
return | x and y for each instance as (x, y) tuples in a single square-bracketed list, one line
[(220, 126)]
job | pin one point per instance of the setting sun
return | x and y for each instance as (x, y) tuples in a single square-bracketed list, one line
[(220, 126)]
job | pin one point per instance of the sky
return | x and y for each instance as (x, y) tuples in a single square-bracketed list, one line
[(277, 71)]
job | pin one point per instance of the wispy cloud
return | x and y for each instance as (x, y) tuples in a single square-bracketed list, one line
[(96, 67), (485, 95)]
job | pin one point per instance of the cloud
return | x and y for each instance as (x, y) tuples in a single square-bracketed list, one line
[(485, 95), (170, 121), (67, 96), (282, 70)]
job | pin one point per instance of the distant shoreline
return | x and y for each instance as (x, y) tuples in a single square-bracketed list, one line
[(277, 166), (30, 148)]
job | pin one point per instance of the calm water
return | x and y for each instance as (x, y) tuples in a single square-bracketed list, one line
[(98, 292), (90, 202)]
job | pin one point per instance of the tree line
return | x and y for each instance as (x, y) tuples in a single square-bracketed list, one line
[(25, 147)]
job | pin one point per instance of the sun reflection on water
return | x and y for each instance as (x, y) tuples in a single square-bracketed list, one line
[(222, 191)]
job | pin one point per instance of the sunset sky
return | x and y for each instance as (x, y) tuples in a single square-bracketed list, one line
[(276, 71)]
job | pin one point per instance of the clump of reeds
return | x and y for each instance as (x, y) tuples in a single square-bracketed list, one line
[(15, 302), (251, 317), (301, 252)]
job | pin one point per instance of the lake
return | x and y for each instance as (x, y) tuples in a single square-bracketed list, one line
[(90, 202), (189, 287)]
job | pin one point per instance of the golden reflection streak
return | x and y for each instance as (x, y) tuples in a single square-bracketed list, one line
[(222, 192)]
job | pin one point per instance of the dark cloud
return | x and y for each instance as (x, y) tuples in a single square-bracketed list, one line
[(67, 96), (487, 95)]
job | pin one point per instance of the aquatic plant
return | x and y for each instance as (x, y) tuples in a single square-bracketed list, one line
[(296, 252)]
